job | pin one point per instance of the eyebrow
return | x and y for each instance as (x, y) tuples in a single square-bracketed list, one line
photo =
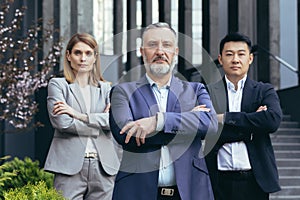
[(158, 40), (74, 50), (229, 50)]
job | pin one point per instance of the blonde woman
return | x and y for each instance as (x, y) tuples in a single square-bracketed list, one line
[(82, 154)]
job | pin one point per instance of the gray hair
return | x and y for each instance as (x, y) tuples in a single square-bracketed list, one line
[(159, 25)]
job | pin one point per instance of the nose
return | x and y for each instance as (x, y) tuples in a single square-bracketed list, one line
[(235, 58), (83, 57), (160, 50)]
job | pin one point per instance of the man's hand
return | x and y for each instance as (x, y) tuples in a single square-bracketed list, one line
[(139, 129), (220, 118), (201, 108), (262, 108)]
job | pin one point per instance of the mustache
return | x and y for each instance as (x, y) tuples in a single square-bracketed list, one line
[(159, 58)]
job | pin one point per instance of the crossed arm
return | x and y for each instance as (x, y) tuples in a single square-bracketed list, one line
[(220, 117), (143, 127), (67, 118), (61, 107)]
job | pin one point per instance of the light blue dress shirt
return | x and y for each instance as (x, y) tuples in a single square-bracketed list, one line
[(166, 169)]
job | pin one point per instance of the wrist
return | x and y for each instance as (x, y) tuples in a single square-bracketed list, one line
[(221, 118), (82, 117), (159, 121)]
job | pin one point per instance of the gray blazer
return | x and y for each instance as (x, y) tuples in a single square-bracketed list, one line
[(66, 153)]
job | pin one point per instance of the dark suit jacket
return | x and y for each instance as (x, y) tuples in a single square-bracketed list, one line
[(249, 126), (183, 131)]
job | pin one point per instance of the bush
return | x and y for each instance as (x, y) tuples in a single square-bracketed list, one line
[(39, 191), (21, 172), (4, 175)]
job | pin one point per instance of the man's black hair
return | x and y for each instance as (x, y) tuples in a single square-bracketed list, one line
[(235, 37)]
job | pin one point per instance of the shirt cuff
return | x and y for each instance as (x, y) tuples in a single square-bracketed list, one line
[(159, 121)]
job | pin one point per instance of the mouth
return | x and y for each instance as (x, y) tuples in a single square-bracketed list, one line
[(235, 67), (82, 65)]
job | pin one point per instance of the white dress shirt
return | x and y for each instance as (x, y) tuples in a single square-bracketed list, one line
[(234, 156), (86, 93), (166, 169)]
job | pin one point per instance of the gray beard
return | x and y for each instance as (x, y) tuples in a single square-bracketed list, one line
[(160, 69)]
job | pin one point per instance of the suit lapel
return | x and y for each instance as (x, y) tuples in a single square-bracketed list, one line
[(248, 91), (220, 97), (74, 87), (146, 92), (95, 92), (176, 89)]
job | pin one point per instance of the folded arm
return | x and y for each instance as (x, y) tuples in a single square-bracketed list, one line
[(68, 120), (144, 131), (265, 118)]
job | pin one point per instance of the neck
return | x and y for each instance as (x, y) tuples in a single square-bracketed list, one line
[(82, 79), (160, 80)]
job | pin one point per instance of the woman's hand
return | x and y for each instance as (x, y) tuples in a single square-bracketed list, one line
[(106, 110), (61, 107)]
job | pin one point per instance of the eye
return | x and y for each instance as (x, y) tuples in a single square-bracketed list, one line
[(77, 52), (89, 53), (152, 45), (167, 45)]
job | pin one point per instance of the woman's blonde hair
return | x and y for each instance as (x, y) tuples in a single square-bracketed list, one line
[(95, 74)]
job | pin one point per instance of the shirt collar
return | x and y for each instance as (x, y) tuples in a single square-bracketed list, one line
[(152, 83), (241, 83)]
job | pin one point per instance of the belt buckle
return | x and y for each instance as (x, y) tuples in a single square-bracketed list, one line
[(91, 155), (167, 192)]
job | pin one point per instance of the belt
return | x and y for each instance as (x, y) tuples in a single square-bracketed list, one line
[(91, 155), (169, 191), (241, 174)]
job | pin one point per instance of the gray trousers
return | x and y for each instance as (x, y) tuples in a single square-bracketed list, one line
[(91, 183)]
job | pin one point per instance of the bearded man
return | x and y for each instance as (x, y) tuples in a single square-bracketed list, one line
[(160, 121)]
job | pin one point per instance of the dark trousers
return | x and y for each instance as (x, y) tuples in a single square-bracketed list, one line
[(239, 185)]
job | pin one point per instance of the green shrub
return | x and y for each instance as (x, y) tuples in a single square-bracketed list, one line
[(38, 191), (4, 175), (18, 173)]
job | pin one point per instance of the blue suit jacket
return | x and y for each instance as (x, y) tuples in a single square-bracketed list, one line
[(249, 126), (183, 131)]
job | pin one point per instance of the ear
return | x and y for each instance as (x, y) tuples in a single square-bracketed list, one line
[(220, 59), (68, 55), (251, 57), (177, 51), (142, 51)]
